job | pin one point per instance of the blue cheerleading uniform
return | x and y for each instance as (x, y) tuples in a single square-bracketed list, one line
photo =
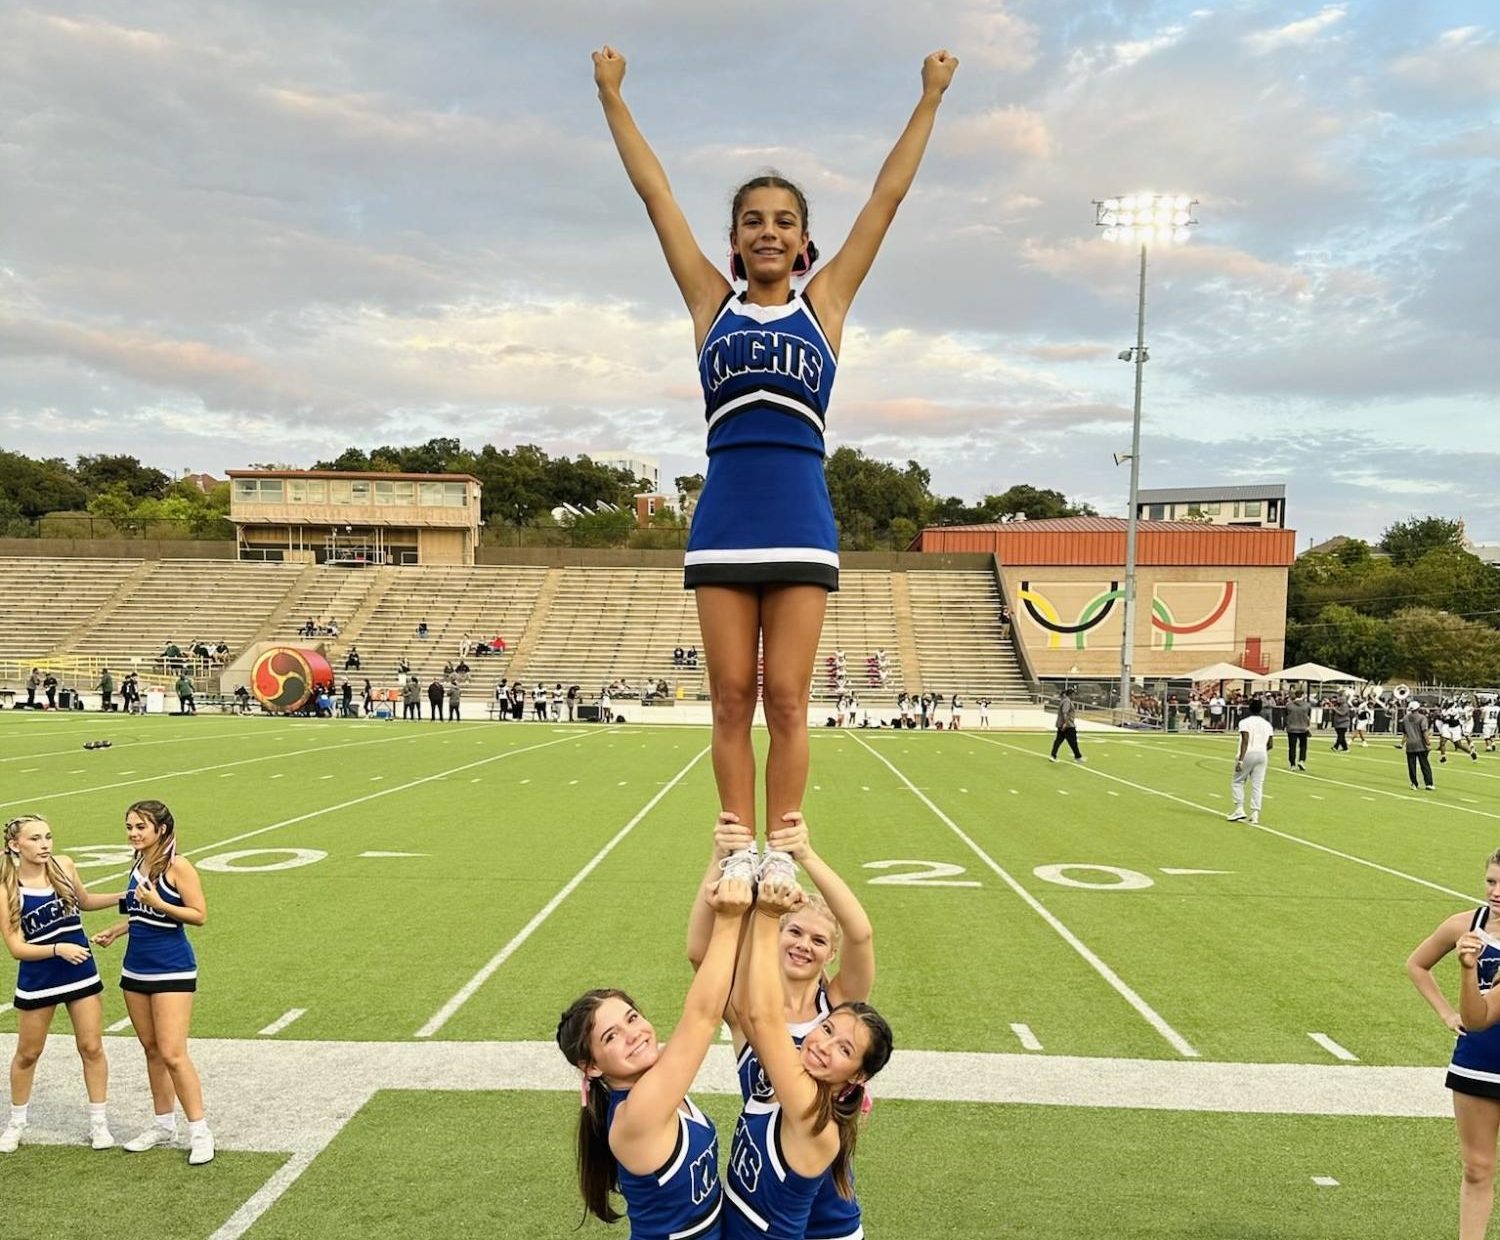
[(46, 921), (1475, 1068), (682, 1199), (764, 516), (767, 1199), (832, 1217), (158, 956)]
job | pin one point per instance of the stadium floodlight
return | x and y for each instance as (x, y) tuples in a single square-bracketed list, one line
[(1144, 219)]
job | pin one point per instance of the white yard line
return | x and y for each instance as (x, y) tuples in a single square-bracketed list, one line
[(134, 744), (1248, 826), (1333, 1048), (266, 1196), (1146, 1011), (1027, 1039), (281, 1022), (469, 988), (119, 1026)]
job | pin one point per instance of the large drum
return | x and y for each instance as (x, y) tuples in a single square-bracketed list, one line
[(285, 677)]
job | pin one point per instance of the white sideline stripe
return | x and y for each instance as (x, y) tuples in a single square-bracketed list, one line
[(330, 809), (119, 1026), (281, 1022), (469, 988), (175, 740), (1028, 1039), (1333, 1048), (265, 1196), (1147, 1012), (1467, 897), (4, 1008)]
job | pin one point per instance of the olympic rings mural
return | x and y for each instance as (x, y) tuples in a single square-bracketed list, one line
[(1165, 625)]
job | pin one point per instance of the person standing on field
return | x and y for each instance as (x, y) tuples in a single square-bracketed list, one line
[(1250, 766), (1414, 734), (1067, 727), (1298, 725)]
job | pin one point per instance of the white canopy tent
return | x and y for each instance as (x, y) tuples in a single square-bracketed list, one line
[(1315, 672), (1222, 671)]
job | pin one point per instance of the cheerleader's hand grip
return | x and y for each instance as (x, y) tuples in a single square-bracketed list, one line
[(1469, 947)]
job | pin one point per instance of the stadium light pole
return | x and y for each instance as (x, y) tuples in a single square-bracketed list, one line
[(1142, 219)]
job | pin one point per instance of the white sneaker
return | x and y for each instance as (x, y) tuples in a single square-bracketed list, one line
[(1237, 816), (100, 1137), (777, 867), (202, 1149), (11, 1138), (150, 1139), (1255, 820), (741, 865)]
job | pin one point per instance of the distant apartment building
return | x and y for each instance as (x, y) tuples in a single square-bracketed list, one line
[(1261, 507), (646, 468)]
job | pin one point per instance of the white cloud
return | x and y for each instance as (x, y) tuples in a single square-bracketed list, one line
[(1464, 62), (1298, 33)]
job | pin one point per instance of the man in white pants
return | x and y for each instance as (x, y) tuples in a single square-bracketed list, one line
[(1250, 766)]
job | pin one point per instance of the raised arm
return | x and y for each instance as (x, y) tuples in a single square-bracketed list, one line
[(658, 1093), (702, 286), (856, 976), (730, 835), (1479, 1009), (832, 289)]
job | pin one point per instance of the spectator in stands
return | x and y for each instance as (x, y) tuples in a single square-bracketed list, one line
[(679, 656), (435, 697), (308, 629), (1004, 623), (185, 703), (421, 628), (332, 627), (465, 645), (33, 683), (454, 696), (351, 660), (221, 653), (49, 687), (497, 644), (403, 666), (447, 669), (369, 698), (106, 687), (461, 669)]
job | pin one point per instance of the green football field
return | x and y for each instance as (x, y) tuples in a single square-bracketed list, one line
[(1113, 1009)]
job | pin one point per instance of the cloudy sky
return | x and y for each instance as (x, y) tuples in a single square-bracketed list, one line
[(266, 229)]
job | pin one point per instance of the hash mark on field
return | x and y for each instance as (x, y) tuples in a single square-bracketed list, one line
[(1325, 1181), (119, 1026), (571, 782), (864, 787), (1333, 1048), (281, 1022), (1062, 792), (963, 789), (31, 770), (1111, 792), (4, 1008), (1315, 796), (1014, 792), (475, 780), (131, 772), (277, 776), (79, 771), (227, 775), (526, 781), (320, 777), (1028, 1039), (374, 778), (621, 784)]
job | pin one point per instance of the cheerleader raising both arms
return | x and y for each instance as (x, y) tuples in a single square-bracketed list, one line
[(787, 1146), (639, 1133), (160, 974), (763, 549), (41, 898)]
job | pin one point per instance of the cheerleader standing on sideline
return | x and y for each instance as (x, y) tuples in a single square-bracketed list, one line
[(638, 1131), (160, 974), (830, 924), (787, 1146), (1474, 1073), (763, 550), (40, 901)]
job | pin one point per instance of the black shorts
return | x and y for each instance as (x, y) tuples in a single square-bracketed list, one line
[(32, 1005), (159, 985), (1468, 1085)]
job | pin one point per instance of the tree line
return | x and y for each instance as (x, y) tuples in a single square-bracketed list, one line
[(876, 503), (1415, 606)]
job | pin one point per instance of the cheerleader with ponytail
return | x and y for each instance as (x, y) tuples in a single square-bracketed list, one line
[(160, 974), (41, 898), (785, 1148), (639, 1134)]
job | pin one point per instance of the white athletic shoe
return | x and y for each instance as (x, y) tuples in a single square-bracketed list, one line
[(150, 1139), (202, 1149), (777, 867), (11, 1138), (100, 1137), (742, 864), (1255, 820), (1237, 816)]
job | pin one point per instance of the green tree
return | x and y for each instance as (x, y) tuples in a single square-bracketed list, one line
[(1346, 639), (1435, 647), (100, 473), (35, 488), (1036, 504), (600, 529), (868, 495), (1406, 542)]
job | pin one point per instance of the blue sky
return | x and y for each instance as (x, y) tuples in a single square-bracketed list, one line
[(264, 230)]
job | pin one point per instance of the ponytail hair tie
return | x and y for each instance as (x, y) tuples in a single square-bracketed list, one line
[(583, 1091)]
